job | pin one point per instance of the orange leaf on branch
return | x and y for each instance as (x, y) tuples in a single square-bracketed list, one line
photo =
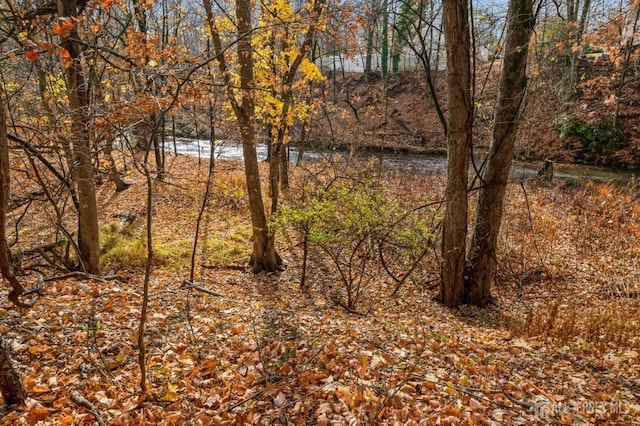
[(63, 27), (31, 55), (65, 58)]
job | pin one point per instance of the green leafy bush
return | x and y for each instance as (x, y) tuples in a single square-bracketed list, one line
[(363, 233), (600, 137)]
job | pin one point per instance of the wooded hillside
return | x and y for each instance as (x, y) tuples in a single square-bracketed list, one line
[(145, 287)]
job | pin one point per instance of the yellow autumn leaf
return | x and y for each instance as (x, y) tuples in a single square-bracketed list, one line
[(449, 389), (185, 359), (171, 396)]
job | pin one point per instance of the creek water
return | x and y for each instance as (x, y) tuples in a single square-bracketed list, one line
[(400, 161)]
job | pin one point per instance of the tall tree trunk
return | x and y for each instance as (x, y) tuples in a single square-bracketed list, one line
[(5, 258), (513, 83), (88, 230), (459, 139), (384, 54), (278, 162), (264, 256), (158, 146), (628, 49), (576, 29), (284, 168), (372, 22)]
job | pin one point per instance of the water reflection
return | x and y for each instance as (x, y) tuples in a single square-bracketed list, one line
[(417, 163)]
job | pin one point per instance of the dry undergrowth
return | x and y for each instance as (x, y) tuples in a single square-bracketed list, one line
[(245, 349), (571, 262)]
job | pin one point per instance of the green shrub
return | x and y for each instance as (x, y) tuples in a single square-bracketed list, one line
[(600, 137), (362, 232)]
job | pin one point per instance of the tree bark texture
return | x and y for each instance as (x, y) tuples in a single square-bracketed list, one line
[(513, 82), (88, 229), (264, 257), (459, 139), (372, 22), (5, 189), (11, 387)]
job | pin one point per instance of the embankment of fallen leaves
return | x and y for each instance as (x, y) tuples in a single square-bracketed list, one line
[(237, 348)]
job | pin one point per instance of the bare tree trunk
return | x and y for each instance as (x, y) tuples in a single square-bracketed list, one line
[(628, 48), (158, 147), (274, 174), (264, 256), (113, 171), (513, 83), (5, 258), (88, 230), (576, 28), (284, 165), (372, 22), (142, 136), (384, 38), (142, 348), (459, 140), (11, 387)]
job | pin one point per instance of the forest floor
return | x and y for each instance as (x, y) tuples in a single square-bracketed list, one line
[(560, 344)]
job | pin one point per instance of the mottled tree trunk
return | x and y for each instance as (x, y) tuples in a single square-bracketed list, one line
[(384, 38), (5, 187), (88, 230), (284, 168), (264, 256), (513, 82), (11, 388), (372, 22), (459, 139)]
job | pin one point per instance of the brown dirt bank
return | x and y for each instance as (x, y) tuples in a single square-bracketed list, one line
[(399, 116)]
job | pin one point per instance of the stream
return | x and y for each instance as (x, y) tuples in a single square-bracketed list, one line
[(401, 161)]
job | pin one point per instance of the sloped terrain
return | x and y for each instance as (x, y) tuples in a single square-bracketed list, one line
[(559, 346), (358, 114)]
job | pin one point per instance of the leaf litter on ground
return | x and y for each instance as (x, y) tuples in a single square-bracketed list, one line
[(269, 353)]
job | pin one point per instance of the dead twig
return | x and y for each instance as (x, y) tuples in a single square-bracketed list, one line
[(524, 404), (84, 275), (81, 400), (189, 285), (225, 267)]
